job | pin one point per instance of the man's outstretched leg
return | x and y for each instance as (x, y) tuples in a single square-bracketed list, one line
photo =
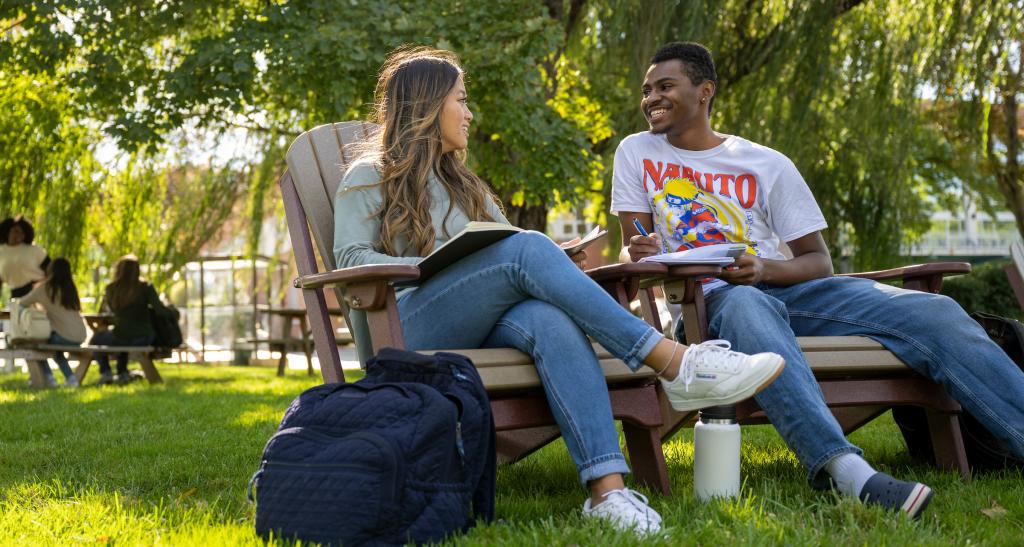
[(755, 321), (930, 333)]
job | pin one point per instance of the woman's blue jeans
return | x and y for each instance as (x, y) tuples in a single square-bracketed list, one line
[(108, 338), (930, 333), (58, 356), (524, 292)]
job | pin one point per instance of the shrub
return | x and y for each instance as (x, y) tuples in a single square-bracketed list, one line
[(985, 289)]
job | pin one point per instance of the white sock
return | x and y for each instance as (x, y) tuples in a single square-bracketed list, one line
[(850, 472)]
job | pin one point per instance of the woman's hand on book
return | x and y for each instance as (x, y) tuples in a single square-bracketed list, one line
[(580, 258)]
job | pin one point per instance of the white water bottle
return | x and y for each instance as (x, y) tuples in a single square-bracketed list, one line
[(716, 454)]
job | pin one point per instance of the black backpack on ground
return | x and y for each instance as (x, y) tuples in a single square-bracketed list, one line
[(405, 454), (984, 451)]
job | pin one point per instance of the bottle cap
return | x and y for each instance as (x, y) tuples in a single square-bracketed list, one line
[(727, 412)]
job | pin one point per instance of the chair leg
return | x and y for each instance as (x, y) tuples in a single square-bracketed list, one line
[(282, 362), (948, 442), (647, 457), (149, 369), (308, 348)]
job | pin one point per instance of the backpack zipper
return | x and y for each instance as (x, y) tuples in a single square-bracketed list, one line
[(458, 373), (252, 482), (459, 445)]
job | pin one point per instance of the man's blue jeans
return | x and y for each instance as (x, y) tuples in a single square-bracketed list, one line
[(523, 292), (930, 333)]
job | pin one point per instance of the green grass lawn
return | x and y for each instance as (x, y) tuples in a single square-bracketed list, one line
[(168, 465)]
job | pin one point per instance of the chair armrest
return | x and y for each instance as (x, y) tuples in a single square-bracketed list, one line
[(358, 274), (618, 271), (625, 279), (365, 287), (921, 277)]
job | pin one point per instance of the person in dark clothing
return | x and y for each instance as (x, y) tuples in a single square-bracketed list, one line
[(130, 299)]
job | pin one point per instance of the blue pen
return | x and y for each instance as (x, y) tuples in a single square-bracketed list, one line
[(640, 227)]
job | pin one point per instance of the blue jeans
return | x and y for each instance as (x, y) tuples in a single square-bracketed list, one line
[(108, 338), (523, 292), (58, 356), (930, 333)]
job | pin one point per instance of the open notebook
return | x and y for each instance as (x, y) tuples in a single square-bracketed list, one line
[(476, 236), (721, 254)]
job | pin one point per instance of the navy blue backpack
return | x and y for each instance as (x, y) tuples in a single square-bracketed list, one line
[(405, 454)]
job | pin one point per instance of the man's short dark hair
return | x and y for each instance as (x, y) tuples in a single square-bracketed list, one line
[(696, 59), (26, 229)]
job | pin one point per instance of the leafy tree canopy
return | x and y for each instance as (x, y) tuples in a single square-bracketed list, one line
[(840, 86)]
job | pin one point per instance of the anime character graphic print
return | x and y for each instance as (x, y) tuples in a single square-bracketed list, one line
[(695, 218)]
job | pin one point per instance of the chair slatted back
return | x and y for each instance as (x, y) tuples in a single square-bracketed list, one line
[(316, 164), (317, 161)]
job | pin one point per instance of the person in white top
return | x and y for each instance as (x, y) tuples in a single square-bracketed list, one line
[(690, 186), (21, 262), (58, 296)]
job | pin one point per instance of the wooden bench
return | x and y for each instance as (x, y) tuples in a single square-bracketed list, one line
[(285, 342), (35, 354)]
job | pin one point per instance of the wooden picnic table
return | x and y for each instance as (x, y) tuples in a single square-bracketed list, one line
[(285, 341), (98, 321)]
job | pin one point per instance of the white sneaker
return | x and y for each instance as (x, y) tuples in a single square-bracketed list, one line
[(712, 375), (71, 381), (51, 381), (627, 510)]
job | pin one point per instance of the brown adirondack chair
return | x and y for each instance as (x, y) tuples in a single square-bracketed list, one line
[(859, 378), (316, 161), (1014, 272)]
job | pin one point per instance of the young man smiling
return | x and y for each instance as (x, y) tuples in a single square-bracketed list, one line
[(690, 186)]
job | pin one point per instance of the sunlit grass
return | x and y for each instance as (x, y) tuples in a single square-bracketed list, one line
[(169, 464)]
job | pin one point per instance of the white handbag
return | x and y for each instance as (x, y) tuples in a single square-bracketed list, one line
[(28, 324)]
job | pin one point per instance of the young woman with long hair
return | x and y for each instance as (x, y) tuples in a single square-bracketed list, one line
[(129, 298), (411, 191), (58, 295)]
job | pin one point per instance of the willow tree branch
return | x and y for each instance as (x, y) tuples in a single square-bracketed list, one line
[(756, 53), (14, 25)]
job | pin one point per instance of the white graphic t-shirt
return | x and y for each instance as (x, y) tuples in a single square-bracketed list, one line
[(736, 192)]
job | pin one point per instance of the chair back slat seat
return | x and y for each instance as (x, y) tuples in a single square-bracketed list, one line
[(316, 161)]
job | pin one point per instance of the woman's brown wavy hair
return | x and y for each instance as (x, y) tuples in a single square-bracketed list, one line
[(60, 284), (411, 90), (126, 288)]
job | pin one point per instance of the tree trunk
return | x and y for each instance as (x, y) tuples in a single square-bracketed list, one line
[(528, 217), (1008, 176)]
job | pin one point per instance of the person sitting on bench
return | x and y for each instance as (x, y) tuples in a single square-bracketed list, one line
[(130, 299), (690, 186), (58, 295)]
